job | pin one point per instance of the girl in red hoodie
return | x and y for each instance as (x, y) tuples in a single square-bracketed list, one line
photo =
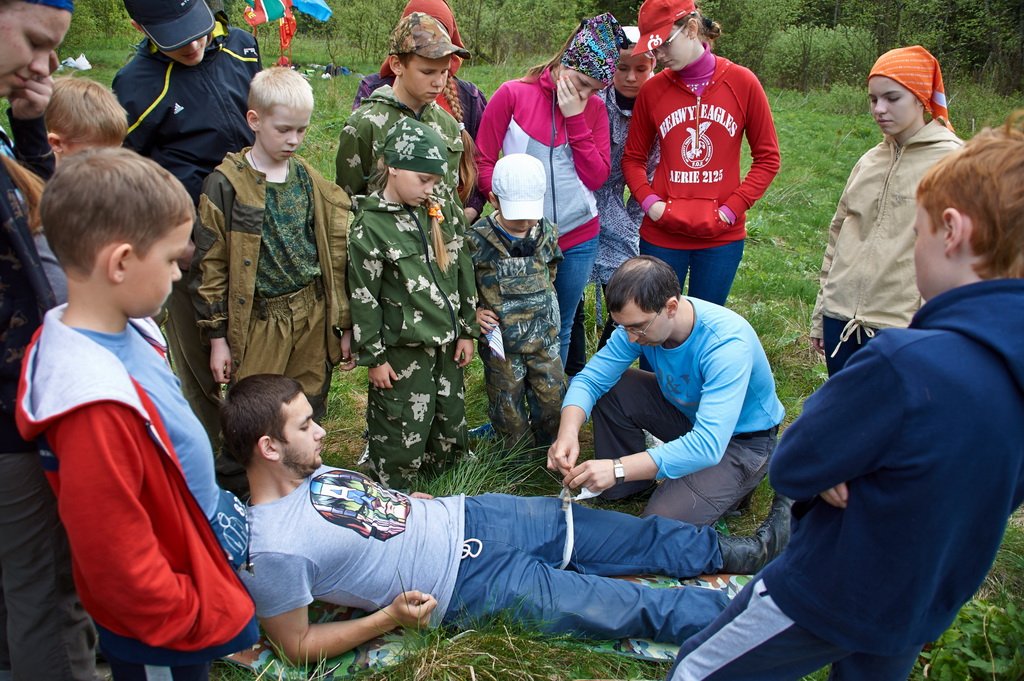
[(698, 108)]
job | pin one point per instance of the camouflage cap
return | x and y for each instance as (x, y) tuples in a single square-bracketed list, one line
[(412, 145), (423, 35)]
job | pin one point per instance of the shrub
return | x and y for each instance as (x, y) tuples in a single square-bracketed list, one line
[(985, 642), (805, 57)]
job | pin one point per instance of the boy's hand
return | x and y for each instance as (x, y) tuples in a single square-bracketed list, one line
[(837, 496), (486, 319), (220, 360), (818, 344), (348, 361), (381, 377), (411, 608), (421, 495), (463, 351), (656, 210)]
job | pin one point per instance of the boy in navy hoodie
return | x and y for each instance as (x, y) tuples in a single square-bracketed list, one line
[(906, 465)]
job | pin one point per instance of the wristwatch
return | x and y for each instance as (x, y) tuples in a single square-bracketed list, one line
[(620, 471)]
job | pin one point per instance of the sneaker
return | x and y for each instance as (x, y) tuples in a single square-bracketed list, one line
[(747, 555), (482, 432)]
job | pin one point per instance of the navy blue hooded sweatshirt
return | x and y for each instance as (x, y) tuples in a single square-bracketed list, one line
[(926, 427)]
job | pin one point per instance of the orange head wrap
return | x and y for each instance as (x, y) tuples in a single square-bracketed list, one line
[(917, 70)]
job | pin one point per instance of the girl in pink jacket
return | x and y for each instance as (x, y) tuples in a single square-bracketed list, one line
[(552, 115)]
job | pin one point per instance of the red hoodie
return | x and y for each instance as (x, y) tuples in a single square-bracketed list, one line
[(146, 563), (700, 141)]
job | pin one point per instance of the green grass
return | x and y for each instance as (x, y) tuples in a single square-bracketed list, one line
[(822, 134)]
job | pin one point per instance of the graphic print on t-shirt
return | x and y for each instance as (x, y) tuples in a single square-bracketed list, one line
[(354, 501)]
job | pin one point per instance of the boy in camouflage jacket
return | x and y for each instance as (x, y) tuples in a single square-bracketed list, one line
[(515, 254), (420, 55), (413, 319)]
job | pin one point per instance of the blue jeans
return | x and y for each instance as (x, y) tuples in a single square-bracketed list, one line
[(753, 640), (515, 546), (573, 275), (711, 270)]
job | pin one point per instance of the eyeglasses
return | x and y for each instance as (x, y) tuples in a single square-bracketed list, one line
[(640, 333), (672, 36)]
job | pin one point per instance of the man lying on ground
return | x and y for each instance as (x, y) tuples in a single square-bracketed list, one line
[(323, 533)]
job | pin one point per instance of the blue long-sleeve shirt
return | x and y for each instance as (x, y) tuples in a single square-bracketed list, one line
[(719, 378)]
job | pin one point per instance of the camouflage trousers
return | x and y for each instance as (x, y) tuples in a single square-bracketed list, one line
[(524, 394), (419, 425)]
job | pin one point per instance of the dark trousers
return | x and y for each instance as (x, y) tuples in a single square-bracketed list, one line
[(636, 404), (46, 634), (832, 331), (753, 640), (132, 671)]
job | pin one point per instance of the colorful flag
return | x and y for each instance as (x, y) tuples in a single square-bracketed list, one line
[(317, 9)]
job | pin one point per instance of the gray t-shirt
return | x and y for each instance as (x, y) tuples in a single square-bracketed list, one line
[(342, 538)]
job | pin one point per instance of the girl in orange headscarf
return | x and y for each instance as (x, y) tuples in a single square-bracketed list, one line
[(867, 277), (463, 100)]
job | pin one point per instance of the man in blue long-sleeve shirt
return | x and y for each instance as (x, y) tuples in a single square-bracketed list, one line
[(711, 399)]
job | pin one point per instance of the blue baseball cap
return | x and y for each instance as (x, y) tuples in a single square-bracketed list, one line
[(171, 24)]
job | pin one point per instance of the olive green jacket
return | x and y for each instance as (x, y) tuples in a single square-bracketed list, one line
[(400, 295), (228, 237)]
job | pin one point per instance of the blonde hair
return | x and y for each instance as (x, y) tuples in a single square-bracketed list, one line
[(107, 195), (279, 86), (83, 111), (983, 180), (379, 179)]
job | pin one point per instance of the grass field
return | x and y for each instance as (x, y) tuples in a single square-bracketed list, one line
[(822, 134)]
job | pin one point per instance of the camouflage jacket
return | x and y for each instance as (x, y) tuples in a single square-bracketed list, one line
[(520, 290), (362, 142), (400, 296), (223, 273)]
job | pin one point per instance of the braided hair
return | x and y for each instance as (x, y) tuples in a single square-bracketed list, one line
[(467, 164)]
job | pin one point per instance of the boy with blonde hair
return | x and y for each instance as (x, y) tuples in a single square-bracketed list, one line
[(269, 275), (83, 114), (876, 568), (127, 458)]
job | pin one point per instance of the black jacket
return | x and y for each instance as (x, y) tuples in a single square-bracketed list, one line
[(187, 118)]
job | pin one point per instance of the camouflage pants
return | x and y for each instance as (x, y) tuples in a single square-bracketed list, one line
[(524, 394), (419, 425)]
